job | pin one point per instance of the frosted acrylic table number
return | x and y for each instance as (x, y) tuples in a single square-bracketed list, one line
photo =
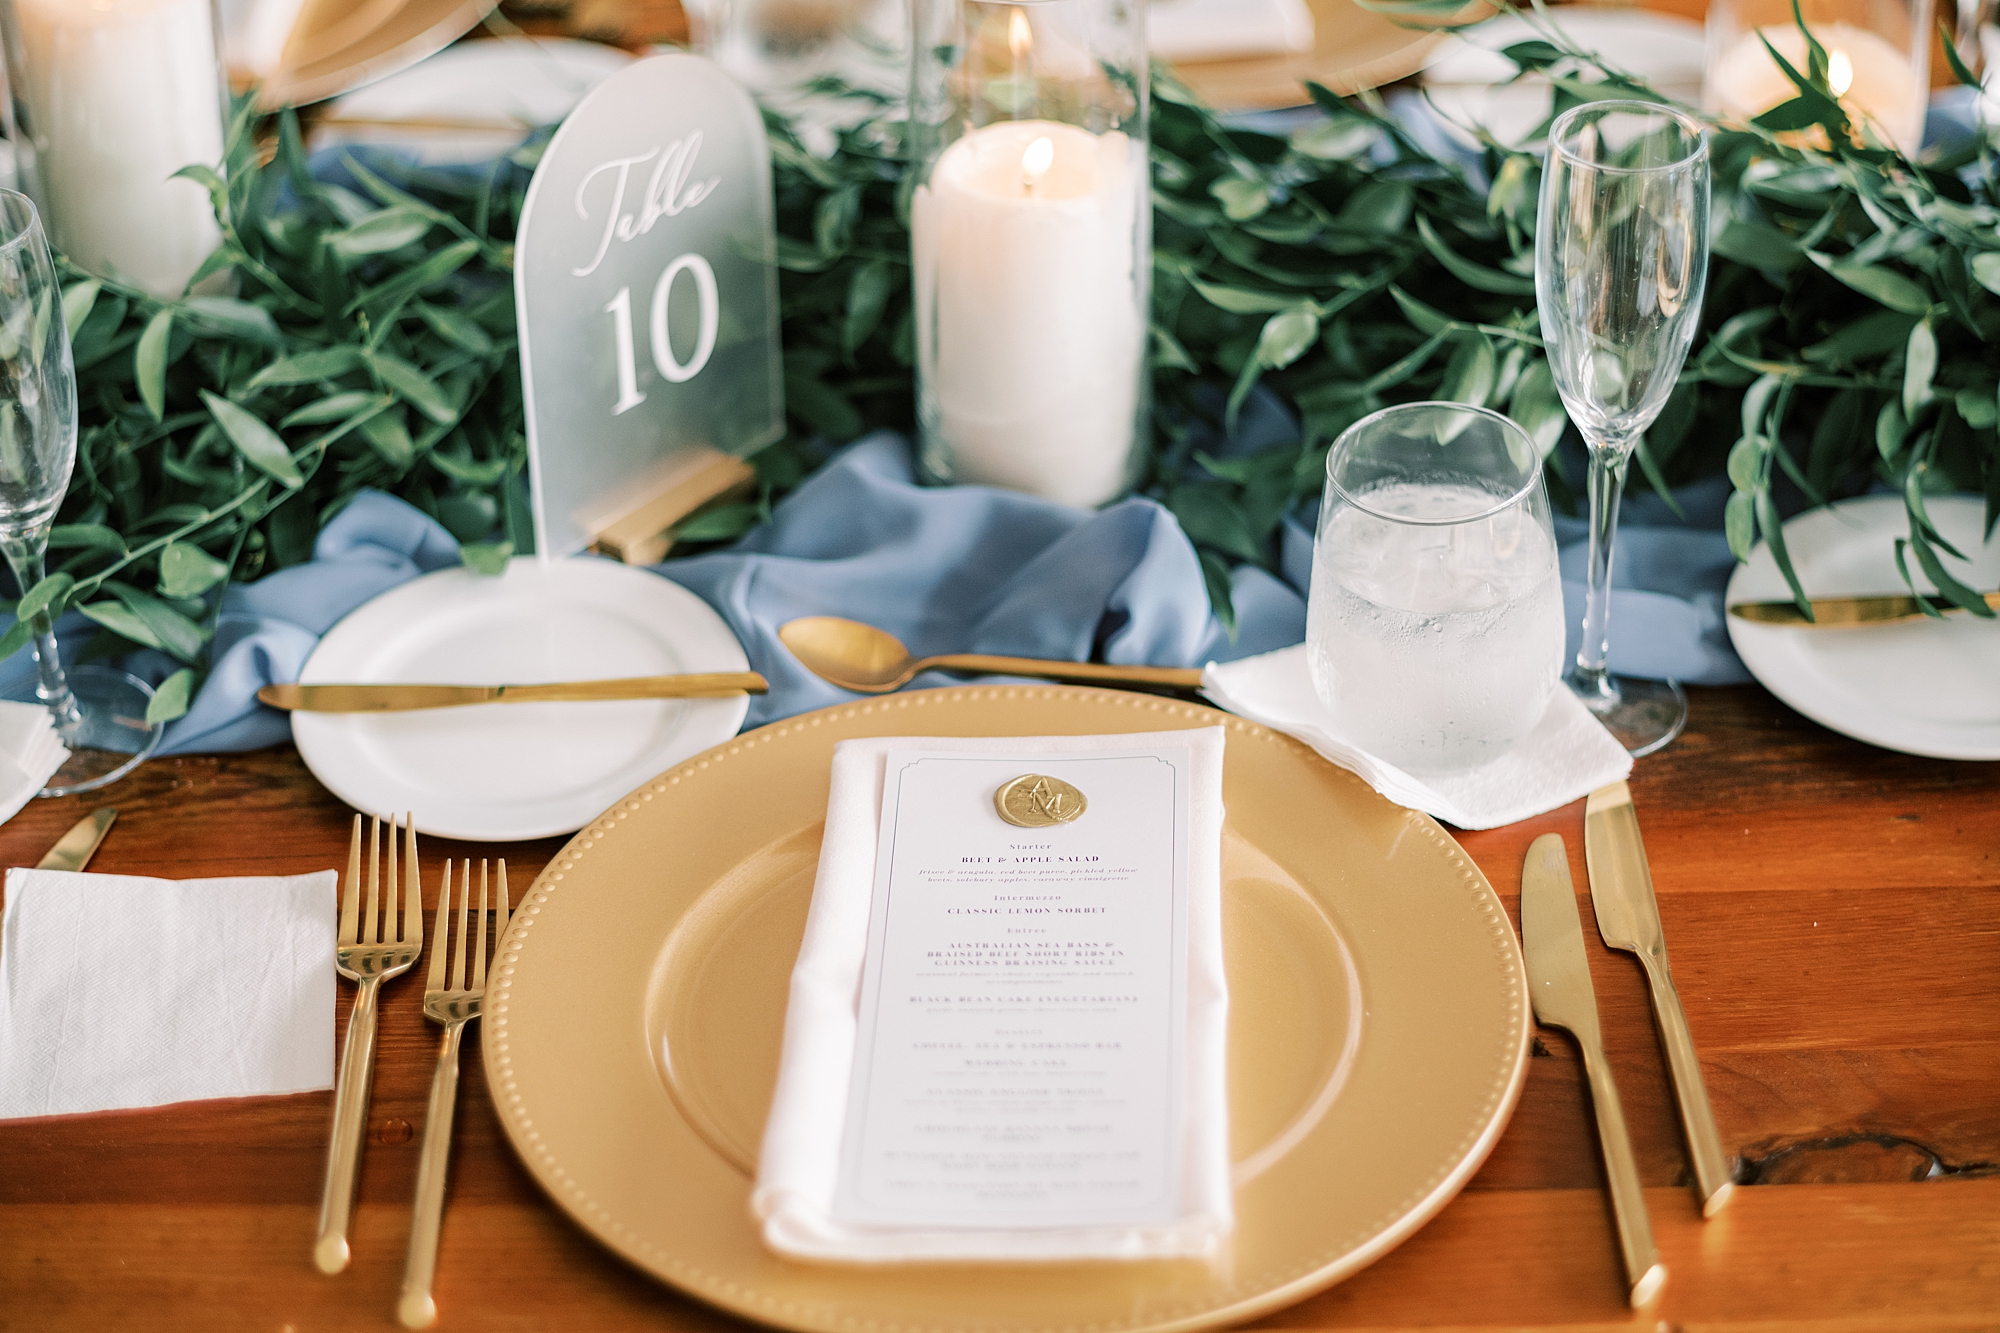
[(646, 286)]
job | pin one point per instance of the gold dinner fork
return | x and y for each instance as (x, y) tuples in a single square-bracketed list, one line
[(452, 998), (370, 951)]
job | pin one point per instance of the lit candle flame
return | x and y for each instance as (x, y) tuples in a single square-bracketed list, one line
[(1839, 72), (1036, 161), (1019, 36)]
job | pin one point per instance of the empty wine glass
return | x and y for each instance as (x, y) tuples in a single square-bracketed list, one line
[(100, 714), (1621, 261)]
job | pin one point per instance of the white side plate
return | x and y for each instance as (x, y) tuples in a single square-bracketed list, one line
[(507, 772), (1924, 687)]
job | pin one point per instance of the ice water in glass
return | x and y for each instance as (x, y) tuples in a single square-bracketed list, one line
[(1435, 629)]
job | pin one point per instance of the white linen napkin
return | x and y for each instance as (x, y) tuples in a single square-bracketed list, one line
[(798, 1169), (30, 754), (119, 991), (1568, 755), (1227, 29)]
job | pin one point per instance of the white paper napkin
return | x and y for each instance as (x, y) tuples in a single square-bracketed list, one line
[(1568, 755), (798, 1170), (1227, 29), (30, 754), (119, 991)]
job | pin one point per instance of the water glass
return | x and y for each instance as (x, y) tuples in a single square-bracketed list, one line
[(1435, 626)]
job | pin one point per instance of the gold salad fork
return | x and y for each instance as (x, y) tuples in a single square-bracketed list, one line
[(370, 951), (451, 997)]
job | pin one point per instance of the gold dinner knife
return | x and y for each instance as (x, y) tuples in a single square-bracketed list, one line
[(1845, 612), (402, 698), (1559, 981), (74, 849), (1628, 917)]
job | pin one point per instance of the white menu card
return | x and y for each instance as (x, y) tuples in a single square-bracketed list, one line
[(1022, 1023), (1006, 1037)]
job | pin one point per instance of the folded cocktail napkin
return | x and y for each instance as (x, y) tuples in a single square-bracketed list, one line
[(798, 1170), (118, 991), (1226, 29), (30, 754), (1567, 756)]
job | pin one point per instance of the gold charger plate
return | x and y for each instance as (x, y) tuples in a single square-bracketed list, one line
[(1353, 48), (1378, 1033)]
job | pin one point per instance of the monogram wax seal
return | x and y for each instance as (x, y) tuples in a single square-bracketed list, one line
[(1034, 800)]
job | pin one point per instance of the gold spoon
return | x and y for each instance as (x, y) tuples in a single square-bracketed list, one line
[(867, 660)]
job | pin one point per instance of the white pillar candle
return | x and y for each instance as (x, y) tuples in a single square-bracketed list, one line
[(1866, 72), (118, 95), (1031, 321)]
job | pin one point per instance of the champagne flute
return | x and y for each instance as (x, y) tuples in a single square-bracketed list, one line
[(99, 714), (1621, 261)]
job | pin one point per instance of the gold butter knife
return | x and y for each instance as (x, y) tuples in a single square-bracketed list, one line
[(1559, 981), (1846, 612), (403, 698), (1628, 917), (74, 849)]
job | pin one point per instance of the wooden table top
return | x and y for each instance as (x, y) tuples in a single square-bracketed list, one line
[(1833, 912)]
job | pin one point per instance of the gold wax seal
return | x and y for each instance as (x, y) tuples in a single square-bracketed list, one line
[(1035, 801)]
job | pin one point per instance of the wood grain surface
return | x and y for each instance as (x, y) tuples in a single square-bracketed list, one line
[(1833, 913)]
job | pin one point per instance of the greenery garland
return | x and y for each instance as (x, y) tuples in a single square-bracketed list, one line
[(1849, 338)]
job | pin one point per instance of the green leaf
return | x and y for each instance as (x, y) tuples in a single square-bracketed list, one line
[(1423, 318), (1890, 429), (1986, 270), (1976, 408), (1919, 366), (1757, 245), (334, 407), (1332, 140), (1469, 375), (175, 632), (488, 558), (257, 442), (1286, 336), (188, 571), (1953, 590), (720, 523), (149, 362), (1886, 286), (323, 363), (1951, 56), (1773, 529), (868, 293), (459, 330), (1472, 275), (414, 387), (378, 233), (390, 438), (1244, 300), (1536, 406), (231, 318), (1873, 335), (1241, 199), (408, 283), (1746, 462), (170, 699), (77, 300), (49, 595), (85, 536), (1382, 207)]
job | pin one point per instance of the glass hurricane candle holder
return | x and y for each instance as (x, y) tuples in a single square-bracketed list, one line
[(1878, 60), (1031, 242), (107, 100)]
